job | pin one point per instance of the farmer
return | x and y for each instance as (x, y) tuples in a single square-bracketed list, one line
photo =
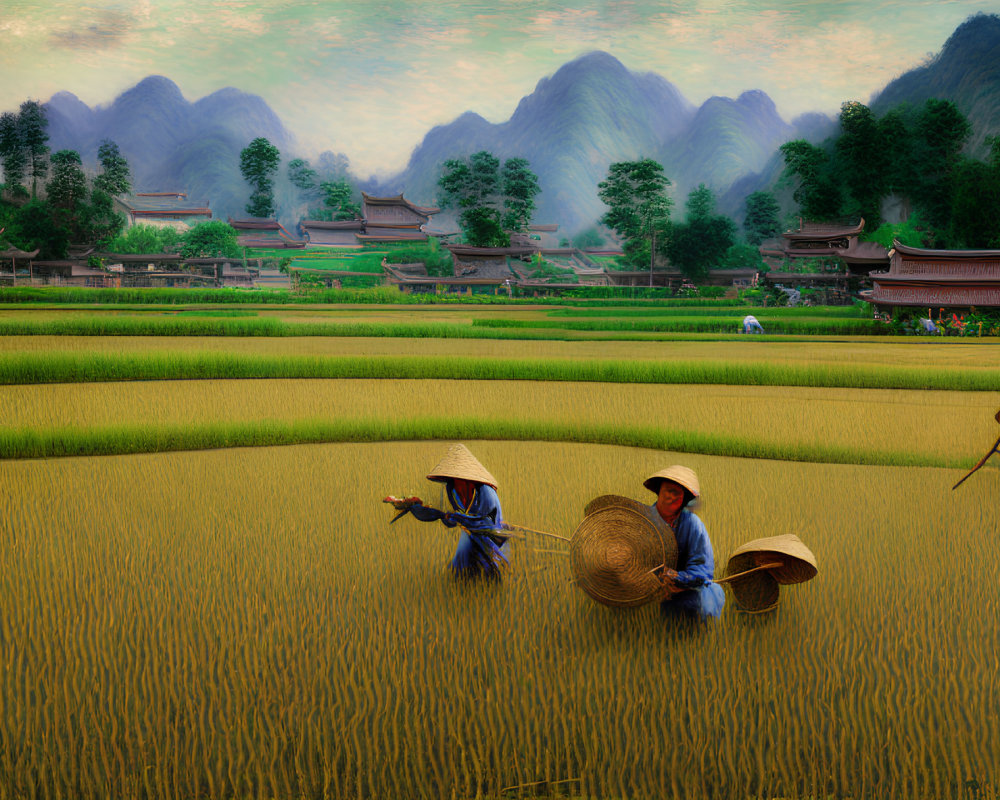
[(751, 325), (472, 492), (688, 591)]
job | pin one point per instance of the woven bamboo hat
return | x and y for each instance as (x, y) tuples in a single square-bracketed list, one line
[(796, 562), (757, 569), (458, 462), (683, 475), (616, 552)]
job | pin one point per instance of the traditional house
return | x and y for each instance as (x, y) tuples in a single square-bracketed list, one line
[(263, 233), (823, 241), (934, 279), (339, 233), (13, 255), (162, 210), (383, 220), (394, 219)]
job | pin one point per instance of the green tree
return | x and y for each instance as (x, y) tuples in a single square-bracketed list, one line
[(337, 197), (68, 186), (13, 155), (139, 239), (742, 256), (483, 227), (862, 157), (99, 222), (210, 240), (520, 185), (703, 239), (817, 194), (115, 176), (35, 226), (33, 127), (491, 201), (762, 217), (638, 207), (591, 237), (975, 200), (259, 161), (941, 133), (301, 175)]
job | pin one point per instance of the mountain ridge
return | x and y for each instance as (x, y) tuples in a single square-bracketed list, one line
[(590, 112)]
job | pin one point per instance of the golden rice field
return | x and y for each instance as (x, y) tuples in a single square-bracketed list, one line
[(949, 353), (945, 426), (244, 623)]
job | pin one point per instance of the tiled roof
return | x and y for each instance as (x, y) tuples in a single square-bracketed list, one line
[(398, 200), (151, 204), (825, 230)]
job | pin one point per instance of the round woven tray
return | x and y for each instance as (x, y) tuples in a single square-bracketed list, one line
[(617, 552)]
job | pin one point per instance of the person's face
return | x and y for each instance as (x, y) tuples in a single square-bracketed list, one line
[(464, 487), (670, 498)]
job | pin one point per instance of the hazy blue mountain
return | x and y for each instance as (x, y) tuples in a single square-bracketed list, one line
[(727, 140), (591, 112), (966, 71), (172, 144)]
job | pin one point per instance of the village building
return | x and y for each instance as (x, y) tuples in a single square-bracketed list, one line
[(930, 280), (338, 233), (162, 210), (826, 244), (264, 233), (384, 220)]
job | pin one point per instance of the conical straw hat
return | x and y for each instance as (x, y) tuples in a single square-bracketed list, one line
[(617, 551), (458, 462), (797, 563), (685, 476)]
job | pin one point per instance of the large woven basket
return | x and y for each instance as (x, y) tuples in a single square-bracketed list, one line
[(788, 559), (618, 550)]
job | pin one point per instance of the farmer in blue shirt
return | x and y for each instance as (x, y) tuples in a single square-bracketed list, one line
[(472, 491), (688, 591)]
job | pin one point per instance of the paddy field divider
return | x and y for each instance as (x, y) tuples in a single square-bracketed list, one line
[(29, 443), (34, 368)]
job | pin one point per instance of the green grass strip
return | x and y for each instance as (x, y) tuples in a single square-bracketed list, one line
[(779, 312), (708, 324), (32, 368), (123, 440), (215, 324), (192, 324)]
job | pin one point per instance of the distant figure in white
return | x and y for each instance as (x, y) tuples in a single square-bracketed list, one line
[(750, 324)]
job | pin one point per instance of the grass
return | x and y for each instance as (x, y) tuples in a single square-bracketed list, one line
[(152, 438), (26, 368), (698, 324)]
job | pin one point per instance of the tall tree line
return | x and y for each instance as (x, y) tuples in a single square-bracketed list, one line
[(913, 154), (67, 208)]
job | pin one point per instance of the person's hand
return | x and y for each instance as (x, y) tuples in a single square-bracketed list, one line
[(668, 580), (402, 503)]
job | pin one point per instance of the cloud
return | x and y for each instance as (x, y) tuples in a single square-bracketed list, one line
[(107, 31)]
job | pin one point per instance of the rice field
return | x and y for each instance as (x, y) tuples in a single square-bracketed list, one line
[(242, 622), (946, 428), (246, 624)]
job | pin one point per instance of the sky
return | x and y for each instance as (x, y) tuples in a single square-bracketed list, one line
[(369, 78)]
